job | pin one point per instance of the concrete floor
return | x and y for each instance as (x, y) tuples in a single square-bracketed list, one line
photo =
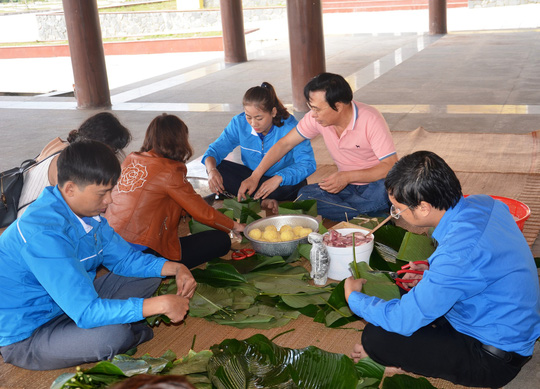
[(484, 81)]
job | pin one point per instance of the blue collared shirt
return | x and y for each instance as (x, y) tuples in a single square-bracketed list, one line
[(48, 262), (482, 278)]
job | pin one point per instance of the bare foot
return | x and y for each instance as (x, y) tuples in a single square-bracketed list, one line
[(270, 204), (358, 353)]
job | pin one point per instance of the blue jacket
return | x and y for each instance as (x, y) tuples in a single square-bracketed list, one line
[(294, 167), (48, 262), (482, 278)]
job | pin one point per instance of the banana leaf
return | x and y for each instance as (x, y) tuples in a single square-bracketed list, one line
[(218, 274), (257, 362), (208, 300), (191, 363), (306, 207), (390, 235), (248, 215), (336, 312), (195, 226), (415, 247), (237, 206), (378, 285), (260, 316), (303, 300), (367, 367)]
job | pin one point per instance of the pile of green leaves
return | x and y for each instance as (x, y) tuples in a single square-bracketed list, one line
[(255, 362)]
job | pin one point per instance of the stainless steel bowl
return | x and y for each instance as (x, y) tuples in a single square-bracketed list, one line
[(283, 249), (200, 185)]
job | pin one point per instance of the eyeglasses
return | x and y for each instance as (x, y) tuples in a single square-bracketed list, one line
[(316, 109), (396, 214)]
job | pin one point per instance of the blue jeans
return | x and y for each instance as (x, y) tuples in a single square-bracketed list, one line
[(352, 201)]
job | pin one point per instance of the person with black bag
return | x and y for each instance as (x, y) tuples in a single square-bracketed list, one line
[(22, 185)]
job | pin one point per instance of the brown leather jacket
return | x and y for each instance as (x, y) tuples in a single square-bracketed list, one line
[(149, 199)]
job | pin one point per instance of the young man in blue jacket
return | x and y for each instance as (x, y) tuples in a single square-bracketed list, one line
[(474, 316), (54, 313)]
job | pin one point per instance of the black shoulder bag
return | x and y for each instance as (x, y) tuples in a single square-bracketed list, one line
[(11, 184)]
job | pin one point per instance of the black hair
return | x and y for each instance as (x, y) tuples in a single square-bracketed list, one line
[(104, 127), (423, 176), (88, 162), (264, 97), (336, 88)]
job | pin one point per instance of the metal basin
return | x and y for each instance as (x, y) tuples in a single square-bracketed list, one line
[(200, 185), (283, 249)]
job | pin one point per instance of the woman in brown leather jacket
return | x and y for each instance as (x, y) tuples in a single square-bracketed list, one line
[(153, 193)]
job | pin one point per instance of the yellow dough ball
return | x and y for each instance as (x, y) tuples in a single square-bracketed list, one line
[(286, 235), (255, 233), (298, 230), (286, 227), (305, 231), (271, 235), (270, 228)]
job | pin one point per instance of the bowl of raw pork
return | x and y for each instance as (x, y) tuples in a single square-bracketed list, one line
[(339, 245)]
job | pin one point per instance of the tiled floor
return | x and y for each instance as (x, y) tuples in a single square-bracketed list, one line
[(484, 81)]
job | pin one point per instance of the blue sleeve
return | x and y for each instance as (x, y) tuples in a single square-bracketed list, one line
[(122, 259), (430, 299), (64, 277), (304, 164), (304, 160), (227, 141)]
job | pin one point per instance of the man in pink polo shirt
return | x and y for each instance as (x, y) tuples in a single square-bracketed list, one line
[(359, 142)]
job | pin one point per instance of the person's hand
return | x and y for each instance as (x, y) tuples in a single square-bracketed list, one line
[(238, 227), (352, 285), (175, 307), (334, 183), (270, 204), (185, 282), (412, 276), (215, 181), (248, 185), (268, 187)]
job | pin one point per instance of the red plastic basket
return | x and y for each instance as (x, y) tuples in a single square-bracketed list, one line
[(519, 210)]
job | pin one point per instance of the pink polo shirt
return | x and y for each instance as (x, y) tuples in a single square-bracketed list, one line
[(365, 142)]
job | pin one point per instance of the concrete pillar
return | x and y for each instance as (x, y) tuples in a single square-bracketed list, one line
[(437, 17), (87, 55), (234, 41), (306, 43)]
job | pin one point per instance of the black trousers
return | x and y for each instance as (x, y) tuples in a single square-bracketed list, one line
[(201, 247), (438, 350), (234, 173)]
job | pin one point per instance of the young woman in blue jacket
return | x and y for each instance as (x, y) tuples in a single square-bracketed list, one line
[(264, 121)]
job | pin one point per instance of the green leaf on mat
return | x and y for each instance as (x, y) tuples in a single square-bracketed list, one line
[(191, 363), (218, 274)]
